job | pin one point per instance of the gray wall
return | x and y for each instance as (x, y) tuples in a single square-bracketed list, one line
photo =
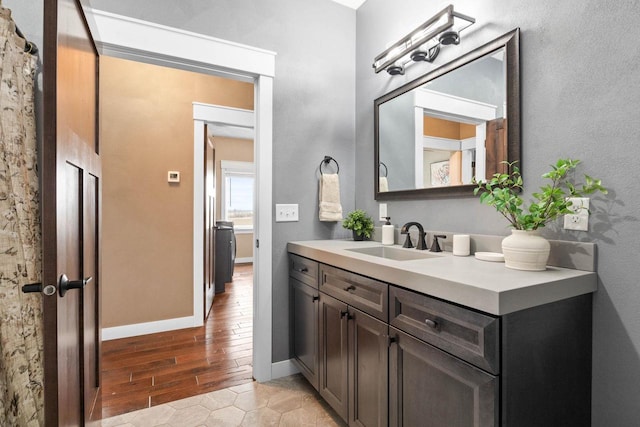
[(313, 104), (580, 98)]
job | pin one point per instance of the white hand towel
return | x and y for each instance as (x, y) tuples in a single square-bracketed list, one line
[(384, 184), (330, 208)]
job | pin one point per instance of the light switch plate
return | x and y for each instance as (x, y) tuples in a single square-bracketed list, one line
[(287, 212), (579, 220)]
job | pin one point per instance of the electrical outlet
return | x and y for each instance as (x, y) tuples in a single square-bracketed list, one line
[(286, 212), (579, 220), (382, 207)]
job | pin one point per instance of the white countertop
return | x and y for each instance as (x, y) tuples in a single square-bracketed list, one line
[(482, 285)]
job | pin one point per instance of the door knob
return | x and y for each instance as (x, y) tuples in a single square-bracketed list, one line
[(66, 284)]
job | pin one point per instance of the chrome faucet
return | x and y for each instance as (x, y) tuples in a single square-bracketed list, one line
[(422, 244)]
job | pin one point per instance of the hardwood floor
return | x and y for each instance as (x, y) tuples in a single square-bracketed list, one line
[(149, 370)]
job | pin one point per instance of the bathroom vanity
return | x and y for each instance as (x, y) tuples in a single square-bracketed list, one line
[(399, 337)]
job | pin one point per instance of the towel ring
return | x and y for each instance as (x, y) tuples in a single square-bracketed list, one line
[(386, 171), (326, 161)]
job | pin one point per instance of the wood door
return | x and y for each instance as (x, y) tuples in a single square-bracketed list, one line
[(71, 176), (496, 147)]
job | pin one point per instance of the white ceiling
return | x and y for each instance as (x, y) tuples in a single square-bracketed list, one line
[(353, 4)]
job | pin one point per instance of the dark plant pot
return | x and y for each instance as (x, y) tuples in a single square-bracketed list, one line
[(357, 237)]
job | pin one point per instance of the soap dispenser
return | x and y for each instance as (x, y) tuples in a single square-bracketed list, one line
[(387, 232)]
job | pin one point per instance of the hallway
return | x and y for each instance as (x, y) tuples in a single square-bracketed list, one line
[(149, 370)]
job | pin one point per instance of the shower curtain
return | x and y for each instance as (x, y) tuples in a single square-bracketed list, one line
[(21, 341)]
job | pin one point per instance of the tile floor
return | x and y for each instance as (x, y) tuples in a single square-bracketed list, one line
[(288, 401)]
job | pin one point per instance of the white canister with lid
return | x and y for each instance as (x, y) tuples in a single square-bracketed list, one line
[(461, 244)]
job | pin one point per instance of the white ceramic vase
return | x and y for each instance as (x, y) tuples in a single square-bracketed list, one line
[(525, 250)]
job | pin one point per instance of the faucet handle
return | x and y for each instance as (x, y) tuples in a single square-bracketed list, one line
[(407, 242), (435, 247)]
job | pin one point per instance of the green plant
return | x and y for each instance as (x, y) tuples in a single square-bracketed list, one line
[(549, 203), (359, 222)]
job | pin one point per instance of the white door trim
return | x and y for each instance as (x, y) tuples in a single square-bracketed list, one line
[(142, 41)]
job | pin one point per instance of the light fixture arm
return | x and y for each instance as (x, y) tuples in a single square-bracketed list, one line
[(423, 44)]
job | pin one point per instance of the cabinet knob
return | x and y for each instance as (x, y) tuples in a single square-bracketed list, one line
[(315, 298), (346, 314), (391, 340), (350, 288), (303, 269), (432, 324)]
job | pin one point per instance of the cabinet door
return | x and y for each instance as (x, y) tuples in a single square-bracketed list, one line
[(333, 354), (305, 329), (368, 370), (431, 388)]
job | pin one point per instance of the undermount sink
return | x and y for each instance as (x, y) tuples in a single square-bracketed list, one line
[(396, 254)]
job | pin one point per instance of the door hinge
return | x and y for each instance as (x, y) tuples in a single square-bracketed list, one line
[(257, 243)]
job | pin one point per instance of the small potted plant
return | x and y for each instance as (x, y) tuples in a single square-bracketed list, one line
[(525, 249), (359, 223)]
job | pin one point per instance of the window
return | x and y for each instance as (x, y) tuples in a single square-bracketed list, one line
[(237, 194)]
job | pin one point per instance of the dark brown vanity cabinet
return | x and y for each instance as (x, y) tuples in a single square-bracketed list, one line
[(381, 355), (305, 305), (354, 343), (353, 363), (368, 370), (334, 353), (305, 329), (429, 387), (450, 366), (429, 384)]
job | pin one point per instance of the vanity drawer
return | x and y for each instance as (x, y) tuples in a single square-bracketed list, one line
[(368, 295), (471, 336), (303, 269)]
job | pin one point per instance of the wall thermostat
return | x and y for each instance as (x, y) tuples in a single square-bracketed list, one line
[(173, 176)]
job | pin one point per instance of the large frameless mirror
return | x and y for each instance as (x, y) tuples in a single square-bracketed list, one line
[(460, 122)]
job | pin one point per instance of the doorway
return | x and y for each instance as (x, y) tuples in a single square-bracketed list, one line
[(117, 36), (229, 139)]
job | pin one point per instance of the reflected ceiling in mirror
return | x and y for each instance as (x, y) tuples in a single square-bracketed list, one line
[(434, 135)]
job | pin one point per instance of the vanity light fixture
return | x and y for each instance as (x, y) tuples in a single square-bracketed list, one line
[(423, 43)]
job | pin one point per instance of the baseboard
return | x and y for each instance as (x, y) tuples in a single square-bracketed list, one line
[(283, 369), (126, 331), (246, 260)]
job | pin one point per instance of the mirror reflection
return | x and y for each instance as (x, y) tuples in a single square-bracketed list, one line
[(441, 132)]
